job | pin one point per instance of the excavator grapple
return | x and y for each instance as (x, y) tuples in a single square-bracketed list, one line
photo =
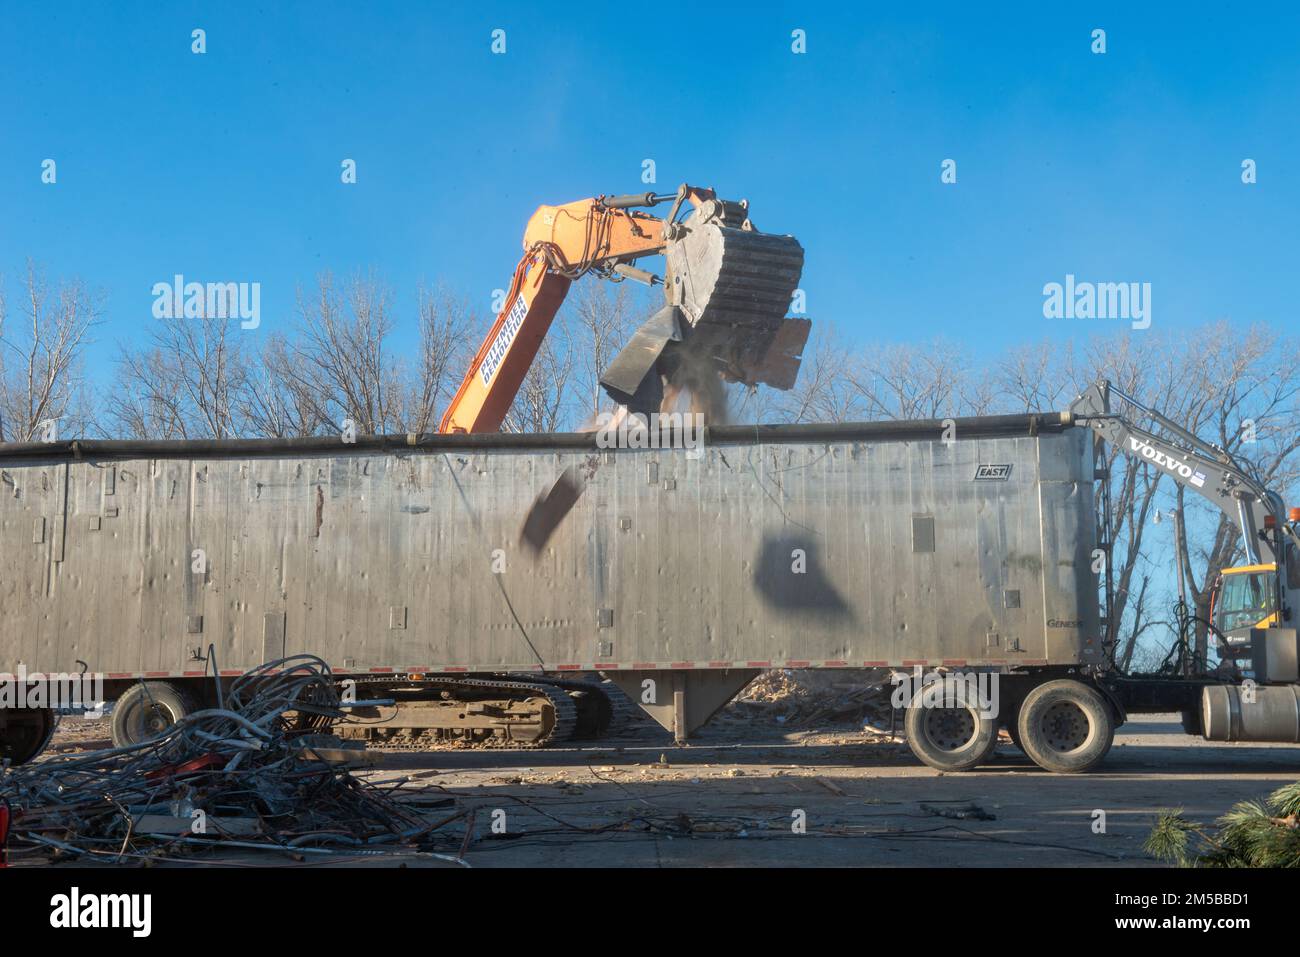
[(733, 283), (726, 284), (727, 287)]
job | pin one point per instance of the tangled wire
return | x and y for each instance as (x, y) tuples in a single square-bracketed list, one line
[(249, 774)]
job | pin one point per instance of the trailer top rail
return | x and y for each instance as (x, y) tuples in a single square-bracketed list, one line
[(986, 426)]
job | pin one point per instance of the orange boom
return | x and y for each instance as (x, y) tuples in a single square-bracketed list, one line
[(727, 287)]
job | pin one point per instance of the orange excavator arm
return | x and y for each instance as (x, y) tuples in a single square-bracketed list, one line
[(726, 287), (561, 243)]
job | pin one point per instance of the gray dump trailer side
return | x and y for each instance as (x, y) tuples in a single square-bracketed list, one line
[(959, 545), (858, 546)]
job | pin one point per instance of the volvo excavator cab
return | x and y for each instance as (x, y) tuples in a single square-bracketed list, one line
[(1244, 598)]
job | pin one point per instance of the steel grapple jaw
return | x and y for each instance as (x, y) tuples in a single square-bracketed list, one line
[(733, 284), (728, 287)]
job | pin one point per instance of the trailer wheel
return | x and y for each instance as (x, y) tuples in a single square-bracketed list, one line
[(146, 710), (990, 753), (950, 736), (24, 733), (1065, 726)]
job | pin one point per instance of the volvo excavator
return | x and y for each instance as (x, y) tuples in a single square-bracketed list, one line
[(726, 287), (1254, 695)]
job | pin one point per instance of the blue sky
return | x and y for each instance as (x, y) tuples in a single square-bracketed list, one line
[(225, 167)]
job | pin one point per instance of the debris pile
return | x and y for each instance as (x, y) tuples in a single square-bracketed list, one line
[(261, 772), (811, 699)]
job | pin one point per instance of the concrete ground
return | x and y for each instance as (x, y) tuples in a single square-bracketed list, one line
[(750, 792), (722, 803)]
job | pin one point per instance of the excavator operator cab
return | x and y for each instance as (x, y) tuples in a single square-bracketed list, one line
[(1243, 598)]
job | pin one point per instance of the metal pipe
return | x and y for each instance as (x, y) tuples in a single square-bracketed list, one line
[(640, 275), (963, 428), (631, 200)]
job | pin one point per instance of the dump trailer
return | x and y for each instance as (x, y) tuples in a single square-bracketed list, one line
[(953, 551)]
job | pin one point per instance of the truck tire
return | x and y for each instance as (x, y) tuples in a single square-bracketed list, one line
[(950, 737), (1065, 726), (24, 733), (990, 753), (146, 710)]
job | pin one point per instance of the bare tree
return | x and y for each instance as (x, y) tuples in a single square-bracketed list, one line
[(543, 399), (339, 360), (40, 373), (1037, 377), (910, 382), (188, 383), (276, 403), (597, 320), (447, 333)]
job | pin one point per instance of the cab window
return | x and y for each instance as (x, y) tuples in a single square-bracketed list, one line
[(1244, 600)]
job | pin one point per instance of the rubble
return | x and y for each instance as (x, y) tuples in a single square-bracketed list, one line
[(820, 698), (261, 773)]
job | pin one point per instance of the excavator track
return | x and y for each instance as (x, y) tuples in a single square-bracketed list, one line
[(595, 707), (530, 712)]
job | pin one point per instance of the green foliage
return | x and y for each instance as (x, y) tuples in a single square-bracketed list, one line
[(1168, 839), (1251, 834)]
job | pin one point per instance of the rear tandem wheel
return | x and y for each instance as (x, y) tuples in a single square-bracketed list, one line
[(950, 735), (1065, 726)]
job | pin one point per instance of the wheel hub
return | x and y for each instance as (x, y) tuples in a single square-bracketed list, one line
[(950, 729), (1065, 727), (151, 720)]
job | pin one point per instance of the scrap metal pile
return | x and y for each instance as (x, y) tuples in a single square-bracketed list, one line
[(260, 773)]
